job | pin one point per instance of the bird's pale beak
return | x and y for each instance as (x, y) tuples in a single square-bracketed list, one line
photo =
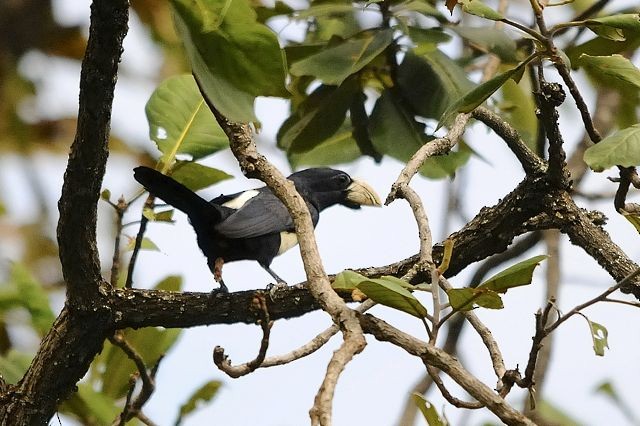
[(361, 193)]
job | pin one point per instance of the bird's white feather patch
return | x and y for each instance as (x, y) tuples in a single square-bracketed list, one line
[(287, 240), (241, 199)]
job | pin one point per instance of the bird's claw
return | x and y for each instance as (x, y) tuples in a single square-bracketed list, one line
[(274, 289)]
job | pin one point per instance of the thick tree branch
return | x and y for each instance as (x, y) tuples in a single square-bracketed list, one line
[(78, 333), (88, 156)]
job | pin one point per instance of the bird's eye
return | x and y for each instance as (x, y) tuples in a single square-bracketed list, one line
[(343, 179)]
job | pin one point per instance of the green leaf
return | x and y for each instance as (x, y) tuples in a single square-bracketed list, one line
[(91, 407), (426, 40), (606, 388), (477, 8), (339, 149), (614, 70), (622, 148), (389, 293), (318, 118), (203, 394), (429, 83), (465, 299), (347, 280), (633, 218), (614, 27), (419, 6), (3, 209), (480, 93), (396, 133), (599, 335), (14, 364), (334, 64), (490, 39), (33, 297), (428, 410), (146, 244), (170, 283), (325, 9), (234, 57), (518, 108), (554, 415), (514, 276), (150, 343), (180, 122), (163, 216), (196, 176), (603, 47), (442, 166)]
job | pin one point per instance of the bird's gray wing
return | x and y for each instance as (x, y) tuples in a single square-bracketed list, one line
[(261, 215)]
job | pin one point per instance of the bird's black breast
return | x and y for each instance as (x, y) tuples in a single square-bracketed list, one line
[(262, 248)]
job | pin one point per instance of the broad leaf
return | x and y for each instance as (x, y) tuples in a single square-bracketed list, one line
[(339, 149), (431, 82), (632, 217), (203, 394), (396, 133), (13, 365), (180, 122), (325, 9), (614, 70), (162, 216), (480, 93), (334, 64), (318, 118), (476, 7), (347, 280), (234, 57), (615, 27), (599, 335), (519, 109), (419, 6), (552, 414), (34, 298), (196, 176), (150, 343), (146, 244), (465, 299), (91, 407), (622, 148), (491, 39), (514, 276), (428, 411), (389, 293)]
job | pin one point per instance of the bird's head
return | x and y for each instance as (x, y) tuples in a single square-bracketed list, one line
[(325, 187)]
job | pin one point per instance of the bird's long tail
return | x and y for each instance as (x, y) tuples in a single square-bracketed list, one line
[(176, 194)]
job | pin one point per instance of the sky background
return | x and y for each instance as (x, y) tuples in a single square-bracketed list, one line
[(375, 385)]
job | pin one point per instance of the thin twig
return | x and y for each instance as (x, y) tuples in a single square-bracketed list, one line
[(132, 408), (435, 147), (629, 278), (138, 244), (456, 402), (120, 208), (223, 362)]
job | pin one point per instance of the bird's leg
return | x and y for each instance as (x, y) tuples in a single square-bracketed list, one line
[(274, 275), (216, 268), (280, 283)]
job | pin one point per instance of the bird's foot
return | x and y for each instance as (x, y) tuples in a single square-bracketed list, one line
[(274, 289)]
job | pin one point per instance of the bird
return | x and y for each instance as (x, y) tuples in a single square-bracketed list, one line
[(254, 224)]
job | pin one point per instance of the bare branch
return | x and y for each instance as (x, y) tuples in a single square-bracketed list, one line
[(255, 165), (224, 364), (435, 147), (446, 363)]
